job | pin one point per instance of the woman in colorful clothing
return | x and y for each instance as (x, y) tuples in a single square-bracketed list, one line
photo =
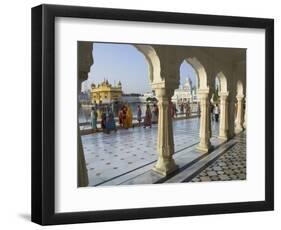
[(129, 117), (139, 112), (147, 118), (94, 116), (110, 122)]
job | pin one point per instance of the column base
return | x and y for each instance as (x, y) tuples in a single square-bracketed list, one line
[(165, 167), (238, 129), (204, 148), (223, 136)]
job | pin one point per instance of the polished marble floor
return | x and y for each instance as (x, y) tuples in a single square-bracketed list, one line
[(230, 166), (112, 155)]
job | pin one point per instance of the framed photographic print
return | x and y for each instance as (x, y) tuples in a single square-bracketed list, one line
[(142, 114)]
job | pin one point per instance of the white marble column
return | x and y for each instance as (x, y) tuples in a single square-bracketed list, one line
[(210, 117), (85, 60), (240, 114), (82, 175), (165, 142), (204, 132), (223, 130)]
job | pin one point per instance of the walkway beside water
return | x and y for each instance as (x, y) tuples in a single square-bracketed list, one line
[(86, 128)]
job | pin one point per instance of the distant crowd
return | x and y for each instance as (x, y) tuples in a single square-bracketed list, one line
[(151, 114), (125, 116)]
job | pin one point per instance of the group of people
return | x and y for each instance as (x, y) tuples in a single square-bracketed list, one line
[(151, 116), (185, 108), (125, 116), (107, 120)]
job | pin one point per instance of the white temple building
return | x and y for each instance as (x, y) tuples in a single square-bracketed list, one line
[(184, 93)]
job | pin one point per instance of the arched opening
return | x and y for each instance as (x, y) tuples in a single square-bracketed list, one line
[(187, 90), (215, 107), (215, 99), (185, 107), (120, 79), (219, 107), (220, 87), (200, 70), (126, 152), (111, 67), (152, 59), (200, 128), (222, 82), (193, 73)]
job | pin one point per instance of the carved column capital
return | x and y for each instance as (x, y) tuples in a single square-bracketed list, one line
[(203, 93), (223, 95), (164, 93)]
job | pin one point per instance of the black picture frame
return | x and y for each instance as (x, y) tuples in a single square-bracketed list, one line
[(43, 114)]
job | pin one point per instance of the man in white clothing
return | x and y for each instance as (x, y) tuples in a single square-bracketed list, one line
[(216, 112)]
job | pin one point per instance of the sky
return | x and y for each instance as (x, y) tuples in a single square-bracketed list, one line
[(123, 62)]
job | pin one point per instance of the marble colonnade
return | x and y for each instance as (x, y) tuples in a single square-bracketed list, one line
[(164, 63)]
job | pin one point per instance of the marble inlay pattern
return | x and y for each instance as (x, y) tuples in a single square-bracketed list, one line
[(111, 155), (230, 166)]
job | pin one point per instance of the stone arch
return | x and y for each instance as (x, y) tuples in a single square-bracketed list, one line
[(203, 95), (153, 61), (239, 88), (223, 82), (200, 70), (222, 85)]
